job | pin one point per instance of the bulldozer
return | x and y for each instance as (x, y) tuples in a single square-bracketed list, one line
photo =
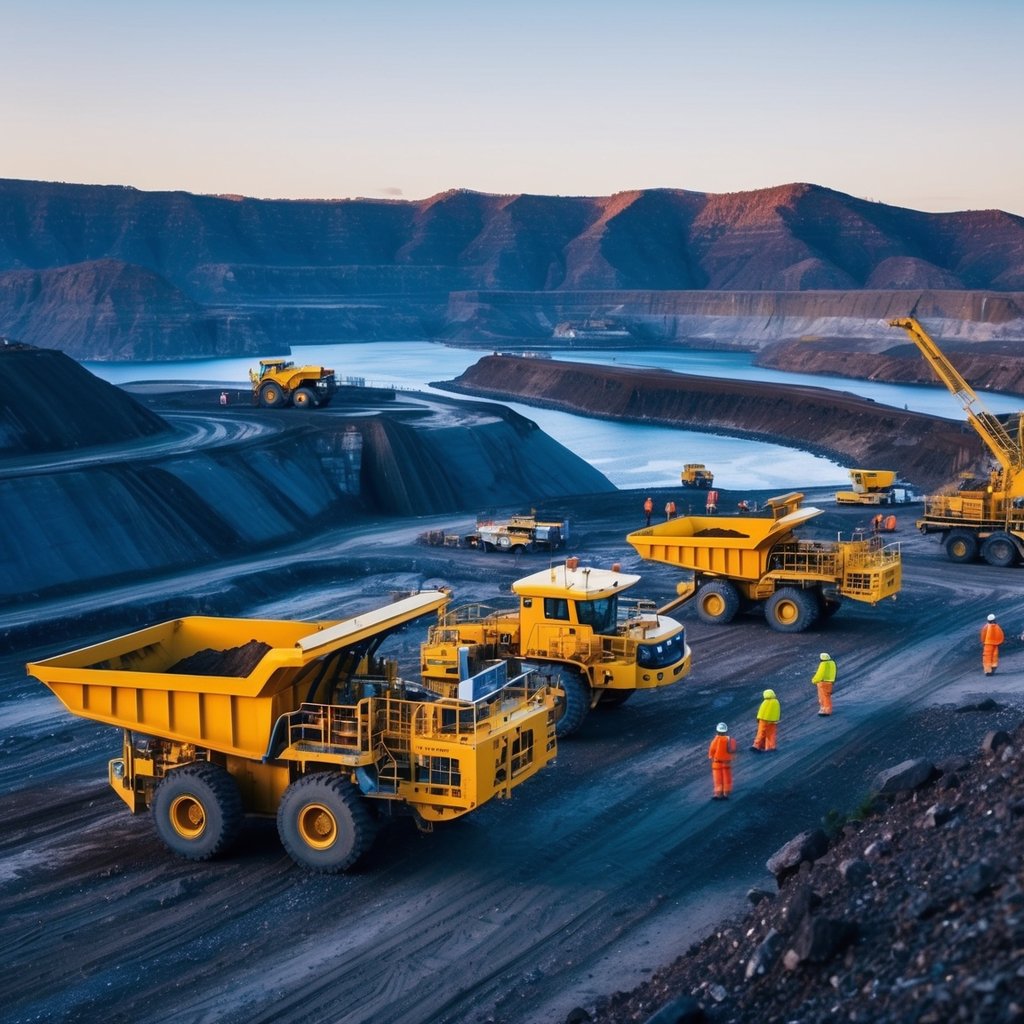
[(983, 517), (573, 625), (738, 563), (280, 383), (301, 721)]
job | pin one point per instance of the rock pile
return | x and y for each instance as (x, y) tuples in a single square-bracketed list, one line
[(914, 912)]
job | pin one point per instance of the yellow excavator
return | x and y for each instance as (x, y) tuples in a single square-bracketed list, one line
[(980, 518)]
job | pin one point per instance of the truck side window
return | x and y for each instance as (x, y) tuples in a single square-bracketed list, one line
[(601, 614), (556, 608)]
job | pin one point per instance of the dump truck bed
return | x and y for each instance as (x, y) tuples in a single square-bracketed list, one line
[(217, 682), (727, 546)]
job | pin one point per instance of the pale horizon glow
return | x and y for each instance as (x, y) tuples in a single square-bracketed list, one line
[(913, 103)]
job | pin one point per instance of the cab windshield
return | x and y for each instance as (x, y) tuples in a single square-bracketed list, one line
[(601, 615)]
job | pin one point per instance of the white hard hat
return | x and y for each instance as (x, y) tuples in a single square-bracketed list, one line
[(721, 727), (824, 656), (991, 618)]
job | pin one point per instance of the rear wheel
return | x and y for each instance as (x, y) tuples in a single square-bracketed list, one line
[(791, 610), (718, 601), (197, 811), (961, 546), (272, 396), (304, 399), (575, 701), (1000, 550), (324, 823)]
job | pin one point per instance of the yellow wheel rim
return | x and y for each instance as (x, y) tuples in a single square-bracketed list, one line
[(317, 826), (188, 817), (714, 605), (786, 612)]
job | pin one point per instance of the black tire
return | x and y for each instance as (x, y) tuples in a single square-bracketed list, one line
[(718, 602), (197, 811), (303, 398), (575, 703), (1000, 550), (791, 610), (961, 546), (614, 699), (272, 396), (324, 823)]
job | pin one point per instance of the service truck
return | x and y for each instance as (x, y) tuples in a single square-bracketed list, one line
[(303, 721), (572, 623)]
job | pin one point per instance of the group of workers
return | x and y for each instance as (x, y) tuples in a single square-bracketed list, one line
[(723, 746), (710, 507)]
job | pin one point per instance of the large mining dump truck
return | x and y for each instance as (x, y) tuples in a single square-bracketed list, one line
[(572, 624), (227, 717), (744, 562)]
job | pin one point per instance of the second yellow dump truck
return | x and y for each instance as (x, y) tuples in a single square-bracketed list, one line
[(875, 487), (696, 474), (741, 562), (300, 720), (572, 623)]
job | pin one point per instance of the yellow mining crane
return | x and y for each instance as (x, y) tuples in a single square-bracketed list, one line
[(985, 518), (227, 717), (738, 562), (573, 624)]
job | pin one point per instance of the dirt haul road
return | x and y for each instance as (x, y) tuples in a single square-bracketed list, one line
[(602, 868)]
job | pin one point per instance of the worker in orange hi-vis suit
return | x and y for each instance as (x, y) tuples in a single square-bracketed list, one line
[(824, 679), (768, 715), (711, 505), (991, 637), (648, 509), (722, 748)]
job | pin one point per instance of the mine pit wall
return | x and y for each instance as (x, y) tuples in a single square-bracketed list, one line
[(852, 431), (742, 319), (74, 530)]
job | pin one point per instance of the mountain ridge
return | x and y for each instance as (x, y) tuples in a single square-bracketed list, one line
[(217, 275)]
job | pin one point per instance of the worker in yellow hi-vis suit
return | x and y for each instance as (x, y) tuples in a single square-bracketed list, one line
[(824, 679)]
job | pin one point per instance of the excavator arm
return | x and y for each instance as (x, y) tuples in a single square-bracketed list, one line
[(998, 440)]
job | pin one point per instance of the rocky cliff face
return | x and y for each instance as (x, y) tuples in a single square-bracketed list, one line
[(110, 272), (858, 432)]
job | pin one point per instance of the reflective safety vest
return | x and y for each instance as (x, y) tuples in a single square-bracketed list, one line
[(770, 710), (992, 633), (722, 748), (826, 672)]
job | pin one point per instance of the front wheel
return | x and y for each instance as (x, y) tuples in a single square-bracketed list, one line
[(272, 396), (575, 702), (961, 546), (324, 822), (197, 811), (791, 610), (718, 601)]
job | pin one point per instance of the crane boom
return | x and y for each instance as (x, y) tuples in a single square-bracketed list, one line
[(1008, 452)]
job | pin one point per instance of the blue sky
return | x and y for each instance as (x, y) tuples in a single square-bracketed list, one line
[(916, 103)]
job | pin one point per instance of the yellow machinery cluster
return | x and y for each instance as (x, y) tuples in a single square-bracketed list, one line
[(279, 383), (518, 533), (985, 518), (875, 487), (737, 562), (572, 623), (224, 717)]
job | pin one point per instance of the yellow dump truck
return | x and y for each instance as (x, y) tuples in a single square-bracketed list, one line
[(741, 562), (518, 533), (573, 624), (227, 717), (696, 474), (279, 383)]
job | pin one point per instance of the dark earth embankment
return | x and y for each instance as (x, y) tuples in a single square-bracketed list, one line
[(858, 432), (268, 477), (51, 404)]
